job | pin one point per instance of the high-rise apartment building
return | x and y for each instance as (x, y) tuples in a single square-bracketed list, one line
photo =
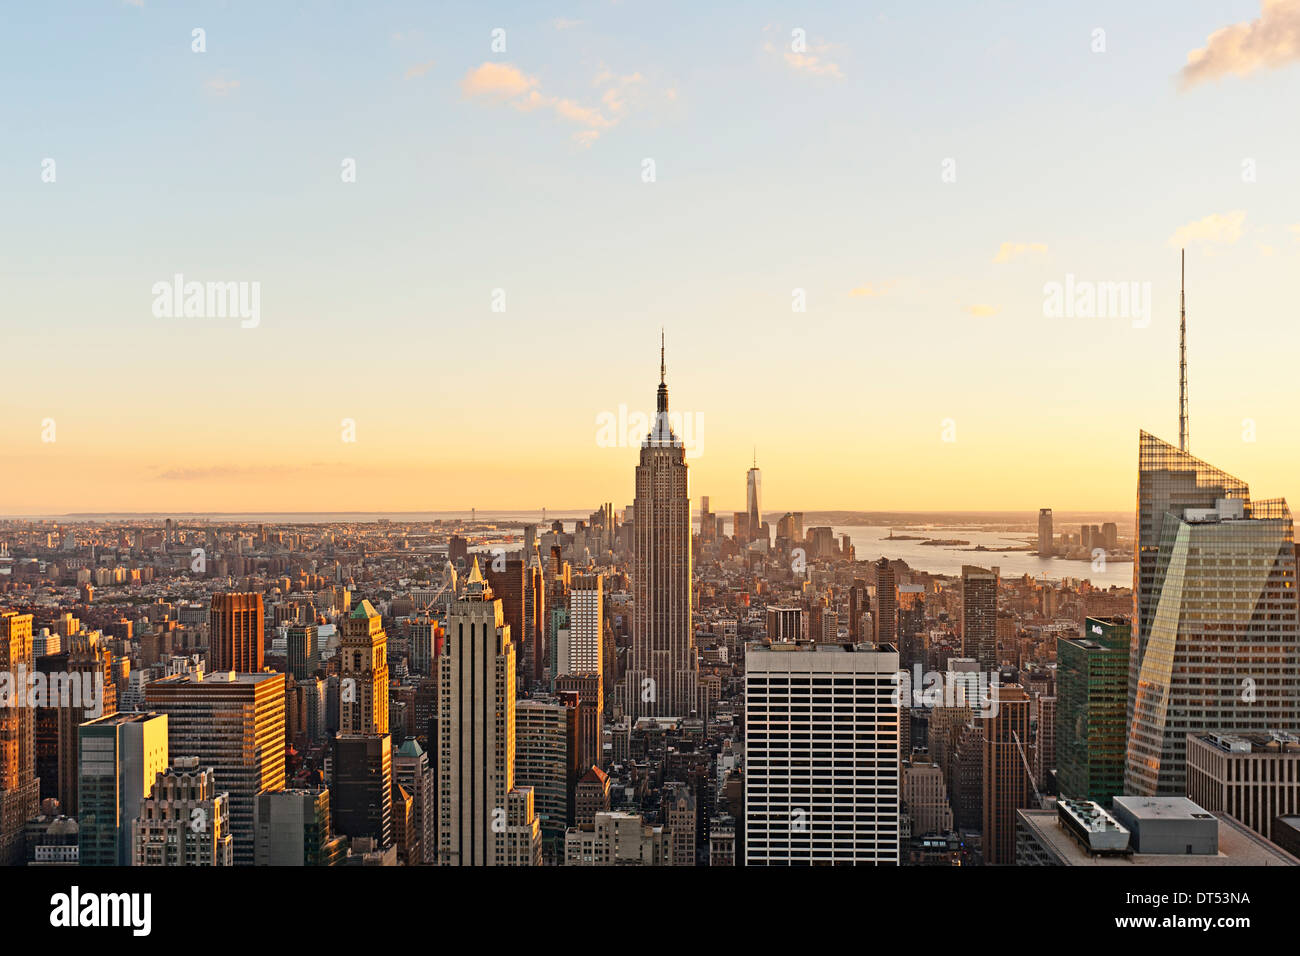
[(120, 757), (236, 639), (1216, 647), (979, 616), (235, 724), (662, 672), (483, 818), (1091, 692), (822, 755)]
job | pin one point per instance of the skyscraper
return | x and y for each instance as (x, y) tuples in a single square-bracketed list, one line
[(119, 757), (1217, 643), (235, 635), (753, 499), (361, 798), (822, 755), (1046, 545), (886, 616), (19, 785), (363, 668), (300, 640), (185, 821), (1091, 689), (662, 671), (979, 616), (1007, 780), (483, 818), (234, 724)]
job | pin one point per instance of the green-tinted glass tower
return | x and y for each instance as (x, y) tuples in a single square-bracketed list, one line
[(1091, 701)]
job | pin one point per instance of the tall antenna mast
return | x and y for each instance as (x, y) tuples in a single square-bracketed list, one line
[(1182, 351)]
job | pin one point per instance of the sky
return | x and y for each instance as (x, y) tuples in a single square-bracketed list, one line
[(468, 223)]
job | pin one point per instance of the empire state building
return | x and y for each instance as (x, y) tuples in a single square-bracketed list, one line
[(661, 673)]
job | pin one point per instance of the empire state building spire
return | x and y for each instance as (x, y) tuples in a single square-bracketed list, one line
[(662, 406)]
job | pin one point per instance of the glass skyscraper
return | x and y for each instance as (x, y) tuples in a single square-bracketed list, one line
[(1091, 692), (1216, 641)]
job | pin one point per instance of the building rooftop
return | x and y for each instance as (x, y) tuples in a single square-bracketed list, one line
[(1162, 808), (1262, 743), (1238, 846)]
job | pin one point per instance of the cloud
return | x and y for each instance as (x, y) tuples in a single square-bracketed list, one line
[(1270, 42), (220, 87), (802, 56), (502, 82), (872, 290), (419, 70), (562, 24), (1014, 250), (983, 311), (1213, 228)]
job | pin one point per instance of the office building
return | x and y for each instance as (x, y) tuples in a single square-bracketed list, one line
[(1008, 783), (661, 675), (413, 774), (885, 618), (1091, 695), (822, 755), (294, 829), (547, 759), (979, 616), (236, 639), (185, 821), (120, 757), (20, 788), (1254, 778), (1046, 544), (235, 724), (476, 730), (361, 794), (1217, 642), (785, 624), (303, 654), (363, 669)]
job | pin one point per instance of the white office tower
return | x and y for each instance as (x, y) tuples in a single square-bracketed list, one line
[(822, 755), (585, 651)]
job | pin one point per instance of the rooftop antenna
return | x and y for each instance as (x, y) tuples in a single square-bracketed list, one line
[(663, 368), (1182, 351)]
